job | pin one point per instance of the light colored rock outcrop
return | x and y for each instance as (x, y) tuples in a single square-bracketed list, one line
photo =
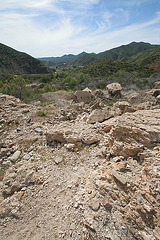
[(98, 93), (158, 99), (114, 89), (157, 83), (131, 132), (134, 97), (83, 96), (93, 181), (124, 107), (99, 115), (87, 90), (76, 133), (15, 156)]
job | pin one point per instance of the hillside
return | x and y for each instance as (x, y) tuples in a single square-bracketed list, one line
[(123, 53), (139, 71), (103, 68), (100, 73), (149, 58), (52, 61), (15, 62)]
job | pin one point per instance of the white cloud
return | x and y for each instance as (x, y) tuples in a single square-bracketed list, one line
[(128, 3), (50, 5), (23, 4), (65, 37), (135, 32), (47, 28)]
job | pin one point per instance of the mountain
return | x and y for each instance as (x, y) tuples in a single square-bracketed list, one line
[(149, 58), (51, 61), (123, 53), (15, 62)]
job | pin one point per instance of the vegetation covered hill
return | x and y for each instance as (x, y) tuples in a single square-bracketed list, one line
[(100, 73), (52, 61), (149, 58), (138, 71), (123, 53), (15, 62)]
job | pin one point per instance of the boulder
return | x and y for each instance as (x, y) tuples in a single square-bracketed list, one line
[(157, 84), (99, 115), (87, 90), (124, 106), (96, 116), (74, 133), (130, 133), (158, 99), (114, 89), (121, 179), (83, 96), (54, 136), (98, 93), (134, 97), (155, 92)]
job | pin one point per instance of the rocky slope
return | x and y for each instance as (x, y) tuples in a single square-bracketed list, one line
[(85, 171)]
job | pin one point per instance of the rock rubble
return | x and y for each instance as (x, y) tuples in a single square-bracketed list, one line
[(81, 170)]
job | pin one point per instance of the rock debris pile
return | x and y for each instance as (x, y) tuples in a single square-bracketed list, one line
[(81, 168)]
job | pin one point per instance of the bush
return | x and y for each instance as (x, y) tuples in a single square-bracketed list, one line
[(49, 88), (70, 83), (42, 114), (15, 87)]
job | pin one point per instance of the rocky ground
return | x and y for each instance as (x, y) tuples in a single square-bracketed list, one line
[(86, 170)]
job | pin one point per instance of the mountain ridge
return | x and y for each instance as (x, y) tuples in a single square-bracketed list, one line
[(120, 53), (50, 61), (123, 53), (16, 62)]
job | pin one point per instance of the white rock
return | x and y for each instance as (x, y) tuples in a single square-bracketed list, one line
[(15, 156), (58, 160)]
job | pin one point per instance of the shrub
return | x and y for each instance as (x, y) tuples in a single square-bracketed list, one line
[(70, 83), (42, 114)]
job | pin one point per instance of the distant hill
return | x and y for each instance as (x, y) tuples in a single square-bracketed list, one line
[(15, 62), (51, 61), (122, 53), (149, 58)]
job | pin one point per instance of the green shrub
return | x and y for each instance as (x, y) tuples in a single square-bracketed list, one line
[(42, 114), (49, 88), (70, 83)]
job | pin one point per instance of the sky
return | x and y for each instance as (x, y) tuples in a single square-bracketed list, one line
[(51, 28)]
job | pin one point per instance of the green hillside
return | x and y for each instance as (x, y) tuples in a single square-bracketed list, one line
[(131, 69), (52, 61), (100, 73), (15, 62), (149, 58), (103, 68), (123, 53)]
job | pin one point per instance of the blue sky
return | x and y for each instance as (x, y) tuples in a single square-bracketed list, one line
[(57, 27)]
